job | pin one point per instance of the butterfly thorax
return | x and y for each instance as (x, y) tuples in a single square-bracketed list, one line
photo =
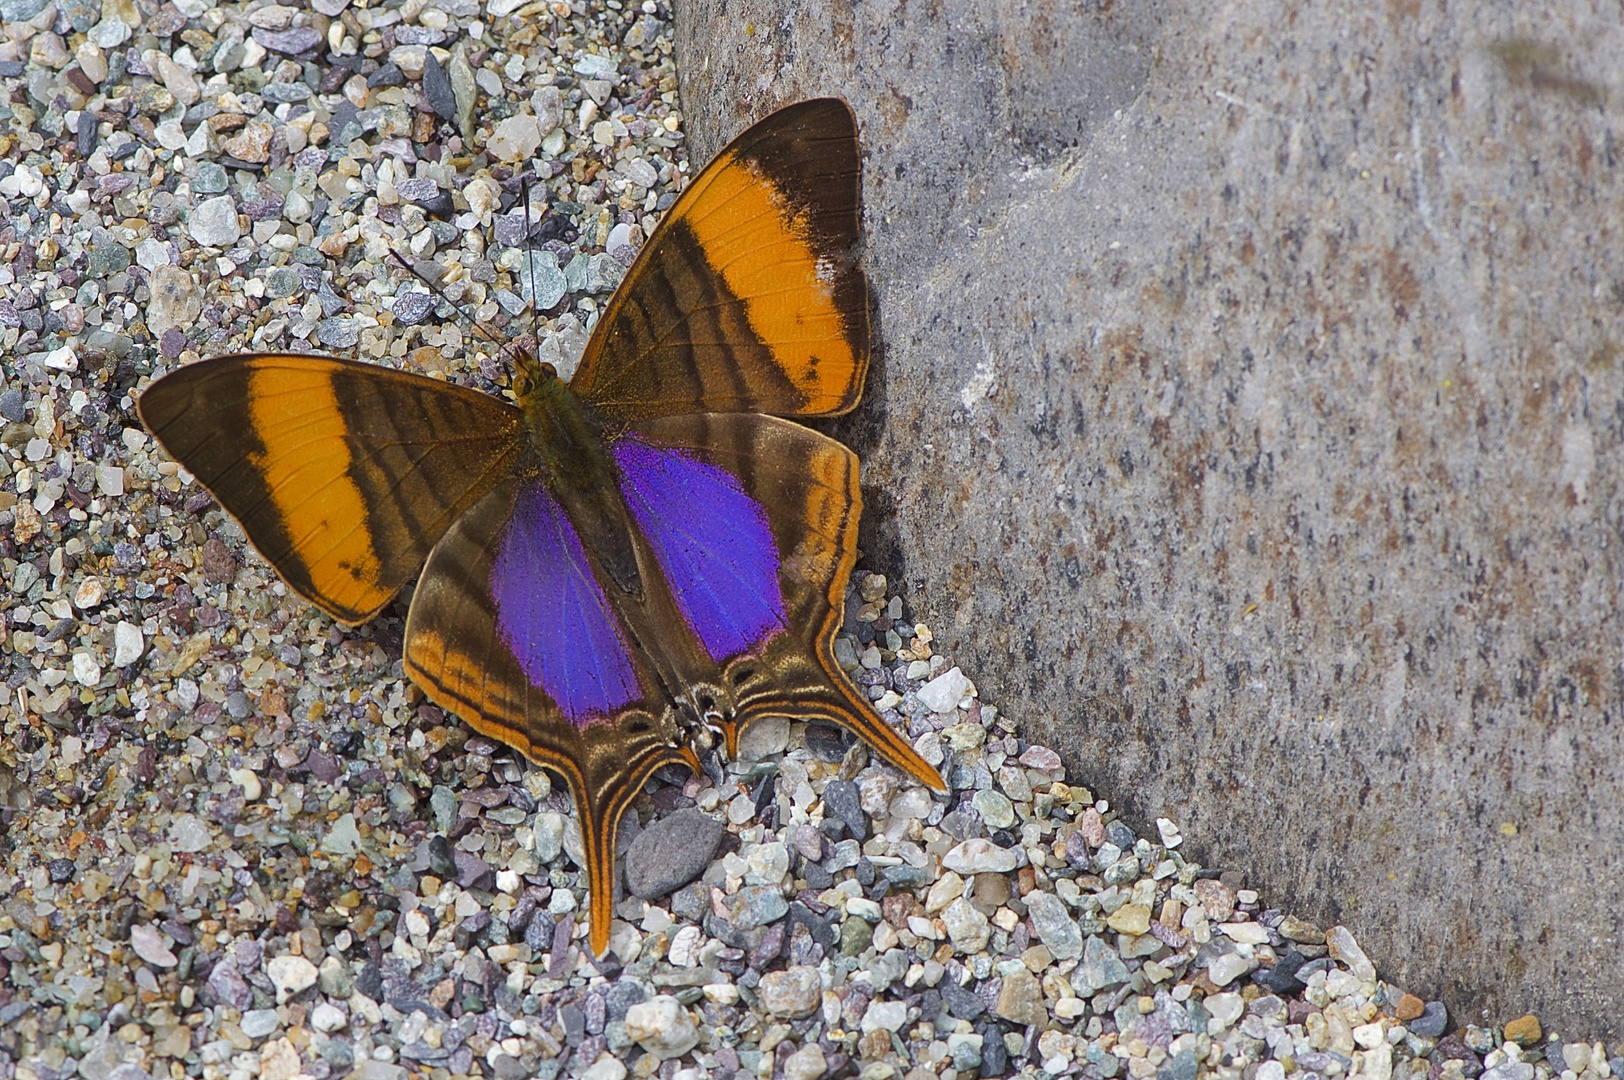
[(567, 442)]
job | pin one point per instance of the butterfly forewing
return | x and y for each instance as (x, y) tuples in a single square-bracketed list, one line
[(342, 474), (748, 297)]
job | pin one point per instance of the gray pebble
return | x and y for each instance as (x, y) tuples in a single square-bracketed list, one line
[(756, 905), (1180, 1066), (283, 93), (538, 933), (542, 280), (413, 307), (290, 42), (840, 796), (670, 853), (213, 222), (437, 88), (258, 1023), (1432, 1021), (620, 997), (1100, 968), (209, 179), (338, 332), (20, 10)]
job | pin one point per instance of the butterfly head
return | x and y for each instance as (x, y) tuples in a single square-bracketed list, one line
[(530, 375)]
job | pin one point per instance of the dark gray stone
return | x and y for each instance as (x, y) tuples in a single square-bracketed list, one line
[(1251, 396), (961, 1003), (670, 853), (1432, 1021), (622, 996), (840, 796)]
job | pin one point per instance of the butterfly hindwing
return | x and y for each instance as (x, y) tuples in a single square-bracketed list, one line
[(805, 485), (511, 630), (712, 540), (342, 474), (748, 297)]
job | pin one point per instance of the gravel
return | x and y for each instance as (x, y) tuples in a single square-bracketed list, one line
[(240, 842)]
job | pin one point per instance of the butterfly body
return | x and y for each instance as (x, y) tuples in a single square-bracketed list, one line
[(567, 439), (623, 571)]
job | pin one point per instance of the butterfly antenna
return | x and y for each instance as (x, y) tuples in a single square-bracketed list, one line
[(529, 255), (434, 287)]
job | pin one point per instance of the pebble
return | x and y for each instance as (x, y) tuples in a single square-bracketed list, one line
[(791, 994), (764, 738), (1432, 1021), (1054, 925), (343, 837), (662, 1027), (1294, 929), (968, 928), (1225, 969), (1224, 1009), (884, 1016), (1100, 969), (149, 945), (980, 856), (670, 853), (328, 1018), (994, 808), (188, 833), (605, 1068), (841, 799), (1020, 999), (807, 1063), (213, 222), (258, 1023), (1343, 947), (1510, 1070), (290, 975), (1524, 1030), (128, 644), (943, 693)]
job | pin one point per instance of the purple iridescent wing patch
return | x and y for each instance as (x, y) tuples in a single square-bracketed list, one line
[(552, 614), (712, 541)]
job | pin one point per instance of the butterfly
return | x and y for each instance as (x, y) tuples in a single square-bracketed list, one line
[(620, 572)]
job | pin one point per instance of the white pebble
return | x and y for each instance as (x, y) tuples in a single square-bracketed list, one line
[(248, 780), (128, 644), (662, 1027), (89, 594), (605, 1068), (943, 693), (290, 975), (684, 950), (328, 1017), (86, 672), (110, 480), (149, 945)]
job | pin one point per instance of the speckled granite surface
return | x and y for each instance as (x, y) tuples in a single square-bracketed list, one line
[(1250, 418)]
